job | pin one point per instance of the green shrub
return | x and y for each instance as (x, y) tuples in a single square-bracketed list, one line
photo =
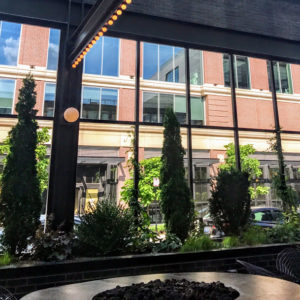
[(52, 245), (176, 200), (194, 244), (170, 244), (5, 259), (231, 242), (285, 233), (255, 235), (106, 230), (229, 205)]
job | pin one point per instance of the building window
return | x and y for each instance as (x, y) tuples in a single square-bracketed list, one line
[(103, 58), (9, 43), (282, 76), (196, 67), (7, 90), (241, 70), (155, 105), (163, 63), (53, 49), (49, 100), (99, 103)]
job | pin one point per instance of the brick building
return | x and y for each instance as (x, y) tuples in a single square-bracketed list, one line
[(108, 106)]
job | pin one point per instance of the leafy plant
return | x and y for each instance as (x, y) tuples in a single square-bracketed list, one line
[(149, 169), (231, 242), (248, 164), (106, 230), (52, 245), (194, 244), (255, 235), (176, 202), (287, 194), (170, 244), (20, 200), (229, 204), (5, 259)]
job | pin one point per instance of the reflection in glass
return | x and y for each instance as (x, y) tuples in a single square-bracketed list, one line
[(150, 105), (9, 43), (91, 103), (110, 57), (109, 100), (103, 58), (7, 88), (49, 100), (196, 71), (197, 111), (53, 49), (241, 69), (150, 61), (180, 109), (163, 63), (166, 101), (282, 77)]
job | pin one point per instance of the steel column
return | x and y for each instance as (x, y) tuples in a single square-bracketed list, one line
[(189, 120), (62, 182), (234, 114)]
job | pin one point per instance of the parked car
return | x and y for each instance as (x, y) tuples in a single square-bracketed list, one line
[(266, 217)]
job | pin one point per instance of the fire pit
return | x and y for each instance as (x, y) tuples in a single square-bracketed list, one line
[(170, 290)]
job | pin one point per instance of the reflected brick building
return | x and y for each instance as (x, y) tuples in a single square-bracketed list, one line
[(108, 95)]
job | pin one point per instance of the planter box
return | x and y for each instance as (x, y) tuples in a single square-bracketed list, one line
[(25, 278)]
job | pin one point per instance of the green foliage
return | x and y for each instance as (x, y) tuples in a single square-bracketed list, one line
[(176, 201), (255, 235), (106, 230), (287, 194), (149, 169), (170, 244), (20, 200), (158, 228), (229, 205), (248, 164), (194, 244), (231, 242), (5, 259), (52, 245)]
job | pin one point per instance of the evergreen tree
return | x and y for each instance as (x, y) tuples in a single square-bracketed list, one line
[(20, 199), (176, 202)]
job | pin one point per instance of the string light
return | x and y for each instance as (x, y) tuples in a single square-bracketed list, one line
[(110, 22)]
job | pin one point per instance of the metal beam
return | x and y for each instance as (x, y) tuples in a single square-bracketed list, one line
[(92, 23), (160, 30), (52, 13)]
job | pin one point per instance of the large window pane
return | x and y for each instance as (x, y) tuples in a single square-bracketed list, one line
[(53, 49), (282, 77), (196, 71), (103, 58), (9, 43), (150, 107), (93, 60), (179, 65), (241, 69), (91, 103), (49, 99), (150, 61), (166, 64), (110, 57), (109, 101), (7, 88), (180, 108), (197, 111), (288, 95), (255, 109), (165, 101)]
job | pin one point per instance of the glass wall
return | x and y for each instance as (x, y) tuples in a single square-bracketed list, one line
[(53, 49)]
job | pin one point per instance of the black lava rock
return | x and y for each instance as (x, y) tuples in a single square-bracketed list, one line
[(171, 290)]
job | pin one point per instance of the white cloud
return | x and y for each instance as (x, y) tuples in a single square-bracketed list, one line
[(10, 50)]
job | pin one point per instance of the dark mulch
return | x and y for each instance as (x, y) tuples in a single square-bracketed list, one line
[(171, 290)]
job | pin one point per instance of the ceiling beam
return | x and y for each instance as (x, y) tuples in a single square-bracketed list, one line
[(90, 26)]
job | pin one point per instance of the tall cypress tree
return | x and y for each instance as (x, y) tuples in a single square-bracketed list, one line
[(176, 202), (20, 200)]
